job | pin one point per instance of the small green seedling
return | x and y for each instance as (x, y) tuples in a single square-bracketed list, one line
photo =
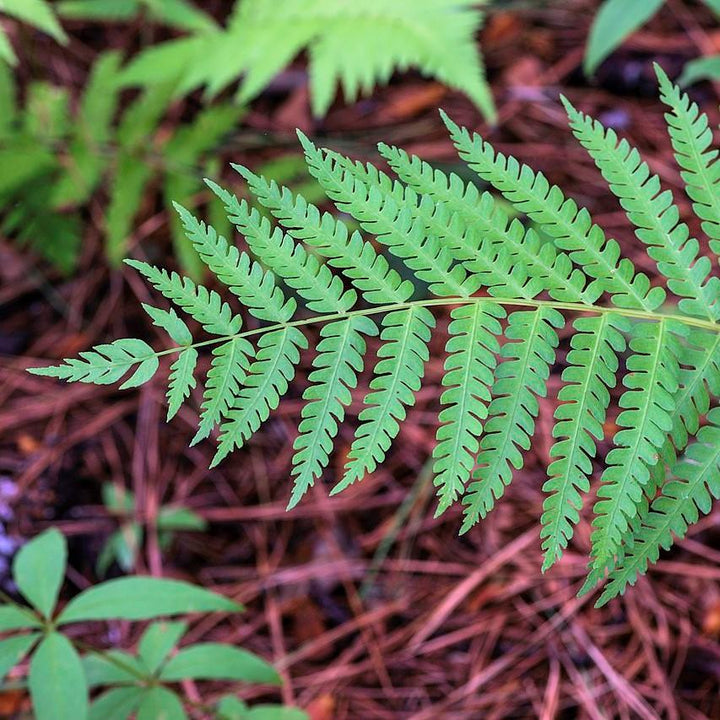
[(60, 680), (143, 682), (124, 544)]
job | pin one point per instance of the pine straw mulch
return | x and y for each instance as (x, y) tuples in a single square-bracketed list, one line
[(370, 608)]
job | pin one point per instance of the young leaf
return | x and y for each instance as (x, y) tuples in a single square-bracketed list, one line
[(159, 703), (157, 641), (39, 569), (57, 681), (614, 21), (116, 704), (113, 667), (13, 617), (215, 661), (151, 597), (14, 649)]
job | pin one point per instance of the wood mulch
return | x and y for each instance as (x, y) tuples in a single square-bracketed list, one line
[(370, 608)]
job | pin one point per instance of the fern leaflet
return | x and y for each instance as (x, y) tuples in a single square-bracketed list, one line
[(472, 349)]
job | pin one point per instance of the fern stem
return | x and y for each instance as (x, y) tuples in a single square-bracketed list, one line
[(439, 302)]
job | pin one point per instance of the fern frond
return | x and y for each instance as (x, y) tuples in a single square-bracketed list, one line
[(336, 367), (691, 138), (654, 215), (351, 45), (244, 277), (472, 349), (181, 381), (696, 481), (230, 365), (487, 264), (357, 259), (397, 377), (699, 378), (204, 305), (584, 399), (520, 379), (170, 322), (394, 226), (106, 364), (570, 228), (648, 405), (550, 269), (455, 240), (322, 291), (266, 381)]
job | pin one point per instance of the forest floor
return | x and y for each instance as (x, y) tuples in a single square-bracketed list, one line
[(370, 607)]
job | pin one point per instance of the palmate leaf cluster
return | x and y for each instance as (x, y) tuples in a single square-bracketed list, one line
[(511, 289), (143, 685)]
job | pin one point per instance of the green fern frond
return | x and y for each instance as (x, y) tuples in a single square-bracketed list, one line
[(265, 383), (648, 406), (354, 256), (570, 228), (461, 251), (336, 367), (322, 291), (171, 323), (691, 138), (351, 45), (397, 377), (654, 215), (549, 269), (204, 305), (472, 349), (699, 379), (230, 366), (255, 288), (584, 399), (105, 364), (395, 227), (520, 379), (181, 381), (696, 482)]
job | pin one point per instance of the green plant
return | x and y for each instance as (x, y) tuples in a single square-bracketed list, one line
[(36, 13), (124, 544), (355, 45), (618, 19), (453, 241), (59, 679), (179, 14), (52, 161), (143, 682)]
